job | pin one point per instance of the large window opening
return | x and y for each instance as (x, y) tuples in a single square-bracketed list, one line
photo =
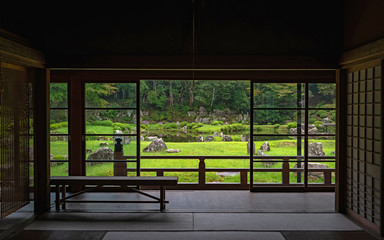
[(203, 131), (294, 134)]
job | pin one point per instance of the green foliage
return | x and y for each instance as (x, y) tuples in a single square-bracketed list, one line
[(124, 127), (214, 123), (90, 138), (236, 127), (312, 120), (217, 139), (144, 126), (107, 123), (319, 124), (236, 138), (258, 128), (220, 122), (322, 113), (56, 126), (183, 124), (291, 125), (333, 116)]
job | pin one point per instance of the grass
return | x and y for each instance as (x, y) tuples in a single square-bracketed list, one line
[(278, 148)]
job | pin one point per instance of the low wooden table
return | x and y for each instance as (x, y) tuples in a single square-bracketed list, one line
[(121, 181)]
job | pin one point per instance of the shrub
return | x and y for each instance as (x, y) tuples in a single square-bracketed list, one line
[(144, 126), (333, 116), (52, 121), (174, 125), (220, 122), (107, 123), (291, 125), (258, 128), (319, 124), (191, 125), (322, 113), (183, 124), (236, 138), (312, 120), (215, 123), (91, 137)]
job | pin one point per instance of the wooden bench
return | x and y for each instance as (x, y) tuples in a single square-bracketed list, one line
[(127, 183)]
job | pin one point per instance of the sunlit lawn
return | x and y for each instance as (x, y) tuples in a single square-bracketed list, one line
[(278, 148)]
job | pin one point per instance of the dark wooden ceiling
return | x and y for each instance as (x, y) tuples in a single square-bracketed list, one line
[(150, 33)]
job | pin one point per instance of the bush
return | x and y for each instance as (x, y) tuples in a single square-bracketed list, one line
[(107, 123), (312, 120), (183, 124), (191, 125), (122, 127), (215, 123), (144, 126), (220, 122), (322, 113), (91, 137), (319, 124), (174, 125), (236, 138), (258, 128), (292, 125), (333, 116)]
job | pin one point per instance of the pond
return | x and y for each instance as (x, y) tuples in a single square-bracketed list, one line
[(190, 136)]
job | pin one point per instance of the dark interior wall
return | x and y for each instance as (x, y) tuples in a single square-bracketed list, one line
[(363, 22)]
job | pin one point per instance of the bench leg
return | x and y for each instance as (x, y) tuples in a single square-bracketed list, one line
[(57, 198), (162, 198), (63, 193)]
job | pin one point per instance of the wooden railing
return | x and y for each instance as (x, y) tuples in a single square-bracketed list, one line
[(201, 169)]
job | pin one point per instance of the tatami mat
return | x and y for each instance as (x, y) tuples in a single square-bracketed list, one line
[(194, 221)]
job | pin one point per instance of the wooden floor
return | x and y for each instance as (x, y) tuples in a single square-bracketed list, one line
[(199, 215)]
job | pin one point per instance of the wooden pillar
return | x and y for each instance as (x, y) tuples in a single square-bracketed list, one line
[(201, 171), (76, 164), (41, 140), (341, 140)]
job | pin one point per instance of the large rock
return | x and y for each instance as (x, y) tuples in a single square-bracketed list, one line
[(104, 153), (208, 138), (227, 138), (293, 131), (199, 138), (155, 146), (205, 120), (265, 147), (313, 130), (312, 165), (268, 162), (315, 149), (202, 111)]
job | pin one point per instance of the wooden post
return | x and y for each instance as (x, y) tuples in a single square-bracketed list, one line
[(285, 172), (41, 140), (201, 171), (327, 178), (119, 168), (243, 178), (159, 173)]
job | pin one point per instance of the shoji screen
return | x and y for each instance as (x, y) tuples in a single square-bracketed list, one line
[(364, 143)]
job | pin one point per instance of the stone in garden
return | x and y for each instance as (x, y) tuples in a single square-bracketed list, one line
[(215, 134), (227, 138), (265, 147), (184, 128), (293, 131), (151, 138), (326, 120), (173, 150), (313, 131), (312, 165), (51, 156), (104, 153), (88, 150), (227, 174), (315, 149), (102, 144), (208, 138), (268, 162), (141, 138), (202, 111), (198, 119), (155, 146), (199, 138), (205, 120), (249, 147), (243, 138)]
